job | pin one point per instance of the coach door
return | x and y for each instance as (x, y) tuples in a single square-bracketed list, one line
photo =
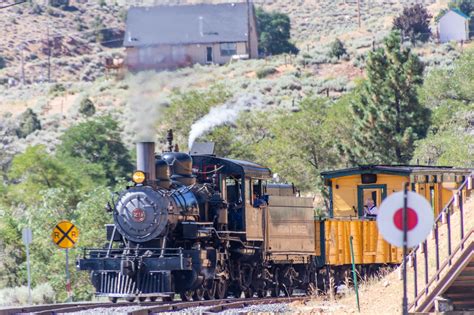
[(377, 193)]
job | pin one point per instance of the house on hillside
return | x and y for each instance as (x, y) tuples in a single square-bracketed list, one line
[(453, 25), (167, 37)]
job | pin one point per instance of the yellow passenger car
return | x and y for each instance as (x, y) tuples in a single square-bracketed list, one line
[(353, 190)]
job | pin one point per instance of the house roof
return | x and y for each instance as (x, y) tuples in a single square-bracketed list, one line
[(186, 24), (460, 13), (403, 170)]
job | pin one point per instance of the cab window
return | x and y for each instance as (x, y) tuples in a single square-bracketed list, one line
[(234, 189)]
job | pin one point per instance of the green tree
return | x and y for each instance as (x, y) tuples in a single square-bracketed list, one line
[(44, 189), (86, 107), (449, 93), (35, 170), (28, 123), (414, 23), (273, 29), (337, 49), (98, 141), (388, 116), (187, 107), (465, 6)]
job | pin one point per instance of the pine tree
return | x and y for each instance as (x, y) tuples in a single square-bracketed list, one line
[(337, 49), (387, 114)]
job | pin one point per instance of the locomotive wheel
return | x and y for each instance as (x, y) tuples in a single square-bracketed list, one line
[(186, 295), (221, 289), (199, 294), (210, 290), (142, 298), (113, 299), (130, 299), (248, 293), (261, 293), (153, 298)]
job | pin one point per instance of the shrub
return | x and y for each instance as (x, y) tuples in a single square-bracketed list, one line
[(29, 122), (41, 294), (265, 72), (3, 63), (337, 49), (86, 107), (57, 88), (63, 4)]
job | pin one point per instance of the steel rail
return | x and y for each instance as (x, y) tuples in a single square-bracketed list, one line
[(216, 305), (67, 307), (148, 307)]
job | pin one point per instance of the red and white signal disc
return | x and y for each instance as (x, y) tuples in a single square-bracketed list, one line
[(390, 219)]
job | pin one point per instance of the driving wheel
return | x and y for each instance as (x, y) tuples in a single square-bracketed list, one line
[(186, 295)]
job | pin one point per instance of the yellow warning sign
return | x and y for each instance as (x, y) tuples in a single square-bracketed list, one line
[(65, 234)]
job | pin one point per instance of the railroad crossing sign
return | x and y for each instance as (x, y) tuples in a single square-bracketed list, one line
[(65, 234), (419, 219)]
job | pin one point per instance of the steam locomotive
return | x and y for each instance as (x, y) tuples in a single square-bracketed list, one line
[(203, 227)]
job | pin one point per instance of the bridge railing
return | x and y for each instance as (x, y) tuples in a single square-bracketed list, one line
[(434, 256)]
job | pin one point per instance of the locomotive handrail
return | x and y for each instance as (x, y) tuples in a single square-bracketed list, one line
[(155, 252), (443, 217)]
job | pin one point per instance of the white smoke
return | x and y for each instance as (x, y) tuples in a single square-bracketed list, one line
[(144, 106), (222, 114)]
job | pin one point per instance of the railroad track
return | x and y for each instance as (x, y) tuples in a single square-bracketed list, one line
[(146, 308)]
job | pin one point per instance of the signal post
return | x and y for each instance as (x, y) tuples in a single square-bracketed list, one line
[(65, 235)]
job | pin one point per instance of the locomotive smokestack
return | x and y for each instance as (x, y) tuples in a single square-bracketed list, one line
[(146, 160)]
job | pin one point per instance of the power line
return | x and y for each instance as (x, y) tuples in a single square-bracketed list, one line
[(12, 4)]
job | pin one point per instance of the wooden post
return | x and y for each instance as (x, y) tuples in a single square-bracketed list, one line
[(358, 12)]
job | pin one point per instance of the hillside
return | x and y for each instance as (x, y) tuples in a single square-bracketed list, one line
[(83, 34)]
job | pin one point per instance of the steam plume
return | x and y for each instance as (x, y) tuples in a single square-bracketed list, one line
[(220, 115), (144, 107)]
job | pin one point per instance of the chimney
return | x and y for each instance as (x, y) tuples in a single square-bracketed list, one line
[(201, 26), (146, 161)]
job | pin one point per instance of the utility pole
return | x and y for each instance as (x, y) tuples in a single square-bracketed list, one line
[(22, 59), (49, 51), (358, 12)]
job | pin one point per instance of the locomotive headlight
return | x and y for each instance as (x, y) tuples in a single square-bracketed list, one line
[(138, 177)]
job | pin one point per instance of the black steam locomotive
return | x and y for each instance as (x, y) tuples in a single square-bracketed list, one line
[(204, 227)]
